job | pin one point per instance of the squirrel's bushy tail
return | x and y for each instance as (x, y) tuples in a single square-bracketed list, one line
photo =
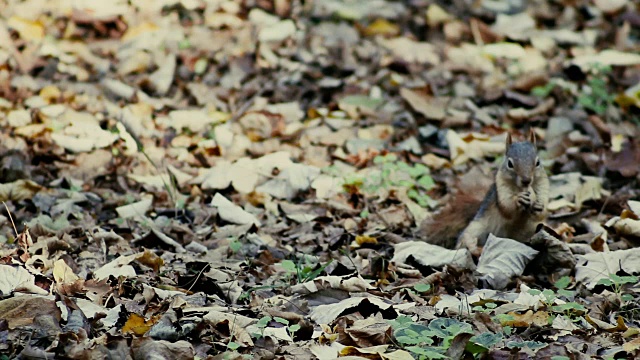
[(443, 227)]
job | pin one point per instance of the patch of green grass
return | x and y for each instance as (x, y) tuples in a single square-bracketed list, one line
[(566, 306), (392, 173), (428, 341), (304, 270), (595, 95), (264, 321), (619, 285)]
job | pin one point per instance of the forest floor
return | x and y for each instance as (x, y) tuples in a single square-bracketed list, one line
[(247, 179)]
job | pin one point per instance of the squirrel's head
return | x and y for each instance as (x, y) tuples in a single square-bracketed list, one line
[(521, 161)]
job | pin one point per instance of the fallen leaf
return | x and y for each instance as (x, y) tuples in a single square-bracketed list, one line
[(231, 212)]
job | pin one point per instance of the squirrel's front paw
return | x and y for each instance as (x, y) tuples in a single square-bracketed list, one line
[(524, 200), (537, 207)]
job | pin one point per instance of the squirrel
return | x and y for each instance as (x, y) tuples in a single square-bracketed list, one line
[(512, 207)]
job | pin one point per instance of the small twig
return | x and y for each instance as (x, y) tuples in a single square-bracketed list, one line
[(11, 218), (197, 277), (246, 105), (606, 202)]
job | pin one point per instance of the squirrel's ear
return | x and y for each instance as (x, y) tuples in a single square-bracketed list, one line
[(509, 141), (532, 136)]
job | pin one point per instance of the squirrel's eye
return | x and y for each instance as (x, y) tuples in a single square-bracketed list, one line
[(537, 162), (509, 163)]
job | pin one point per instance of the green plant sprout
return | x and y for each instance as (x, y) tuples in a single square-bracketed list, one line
[(428, 341), (618, 285), (392, 173), (570, 309), (595, 96), (304, 272), (264, 321), (422, 288), (485, 308)]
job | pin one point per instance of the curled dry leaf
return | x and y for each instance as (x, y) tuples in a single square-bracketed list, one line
[(593, 267), (231, 212), (503, 259), (19, 190), (424, 254)]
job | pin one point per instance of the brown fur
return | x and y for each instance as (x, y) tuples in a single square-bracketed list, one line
[(444, 227), (511, 207)]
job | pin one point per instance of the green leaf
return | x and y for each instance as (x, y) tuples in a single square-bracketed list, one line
[(534, 292), (563, 282), (445, 327), (566, 293), (312, 275), (549, 295), (422, 287), (487, 339), (408, 340), (293, 328), (504, 317), (431, 353), (404, 167), (184, 44), (507, 330), (233, 345), (401, 321), (426, 182), (543, 91), (530, 344), (289, 266), (628, 279), (263, 321), (200, 66), (235, 246), (282, 321), (362, 101), (568, 306), (605, 282)]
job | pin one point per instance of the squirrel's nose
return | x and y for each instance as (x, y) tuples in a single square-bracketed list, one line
[(525, 181)]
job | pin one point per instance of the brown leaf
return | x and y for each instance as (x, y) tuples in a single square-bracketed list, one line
[(431, 107), (626, 161), (151, 260), (19, 190), (21, 310)]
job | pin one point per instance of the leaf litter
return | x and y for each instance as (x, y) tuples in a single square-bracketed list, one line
[(234, 179)]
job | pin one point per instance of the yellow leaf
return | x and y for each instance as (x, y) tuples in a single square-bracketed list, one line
[(18, 190), (135, 31), (382, 27), (151, 260), (137, 325), (62, 273), (365, 239), (539, 318), (28, 30), (632, 345), (50, 93), (616, 142), (437, 15)]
